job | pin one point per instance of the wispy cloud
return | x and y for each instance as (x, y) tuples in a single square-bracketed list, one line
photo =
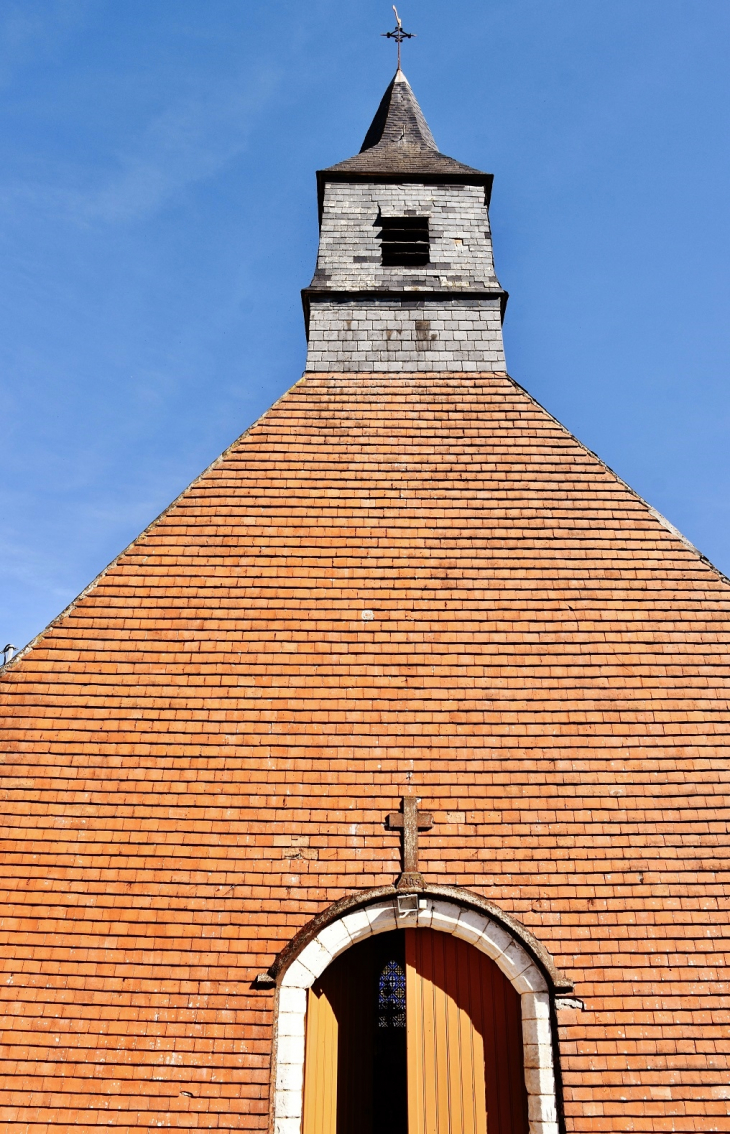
[(192, 139), (193, 129), (34, 30)]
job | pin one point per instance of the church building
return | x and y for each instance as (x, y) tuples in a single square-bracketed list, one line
[(380, 785)]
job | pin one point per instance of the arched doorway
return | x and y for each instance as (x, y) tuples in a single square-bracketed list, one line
[(414, 1032), (521, 959)]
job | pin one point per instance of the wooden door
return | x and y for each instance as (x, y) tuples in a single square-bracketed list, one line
[(320, 1062), (465, 1060), (338, 1062)]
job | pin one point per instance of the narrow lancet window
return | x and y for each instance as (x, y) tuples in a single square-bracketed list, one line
[(392, 996), (390, 1073), (404, 241)]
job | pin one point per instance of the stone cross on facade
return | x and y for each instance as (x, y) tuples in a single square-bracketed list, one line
[(410, 821)]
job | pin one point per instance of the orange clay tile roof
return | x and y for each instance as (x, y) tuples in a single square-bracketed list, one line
[(200, 753)]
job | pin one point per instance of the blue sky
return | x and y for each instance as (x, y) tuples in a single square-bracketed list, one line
[(158, 218)]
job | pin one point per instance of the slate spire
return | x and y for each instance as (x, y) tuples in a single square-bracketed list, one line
[(399, 120), (399, 139)]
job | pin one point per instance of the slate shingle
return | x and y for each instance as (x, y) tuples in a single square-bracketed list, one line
[(399, 140)]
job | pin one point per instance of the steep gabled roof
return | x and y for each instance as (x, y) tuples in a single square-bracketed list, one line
[(399, 140), (390, 582)]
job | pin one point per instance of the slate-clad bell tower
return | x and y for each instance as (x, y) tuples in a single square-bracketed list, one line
[(405, 274)]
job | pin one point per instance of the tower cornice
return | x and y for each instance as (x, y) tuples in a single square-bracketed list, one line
[(414, 295)]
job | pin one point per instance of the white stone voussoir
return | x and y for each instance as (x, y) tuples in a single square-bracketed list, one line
[(382, 918), (335, 938)]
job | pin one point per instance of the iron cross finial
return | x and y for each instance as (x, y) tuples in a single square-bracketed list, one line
[(398, 34)]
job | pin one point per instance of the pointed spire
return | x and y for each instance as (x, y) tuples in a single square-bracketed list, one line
[(399, 140), (399, 120)]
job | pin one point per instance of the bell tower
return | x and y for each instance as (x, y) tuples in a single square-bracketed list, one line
[(405, 276)]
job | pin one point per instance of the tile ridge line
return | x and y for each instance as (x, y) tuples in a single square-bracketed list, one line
[(10, 664), (662, 520)]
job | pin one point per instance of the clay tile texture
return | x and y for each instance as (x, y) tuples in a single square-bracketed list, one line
[(199, 756)]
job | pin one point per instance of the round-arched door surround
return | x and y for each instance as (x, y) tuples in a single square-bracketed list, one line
[(445, 916)]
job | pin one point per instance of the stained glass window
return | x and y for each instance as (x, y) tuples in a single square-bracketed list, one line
[(392, 996)]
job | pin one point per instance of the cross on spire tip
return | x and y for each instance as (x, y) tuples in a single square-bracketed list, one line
[(398, 34)]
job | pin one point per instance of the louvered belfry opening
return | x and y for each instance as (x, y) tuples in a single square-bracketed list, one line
[(414, 1032), (404, 241)]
